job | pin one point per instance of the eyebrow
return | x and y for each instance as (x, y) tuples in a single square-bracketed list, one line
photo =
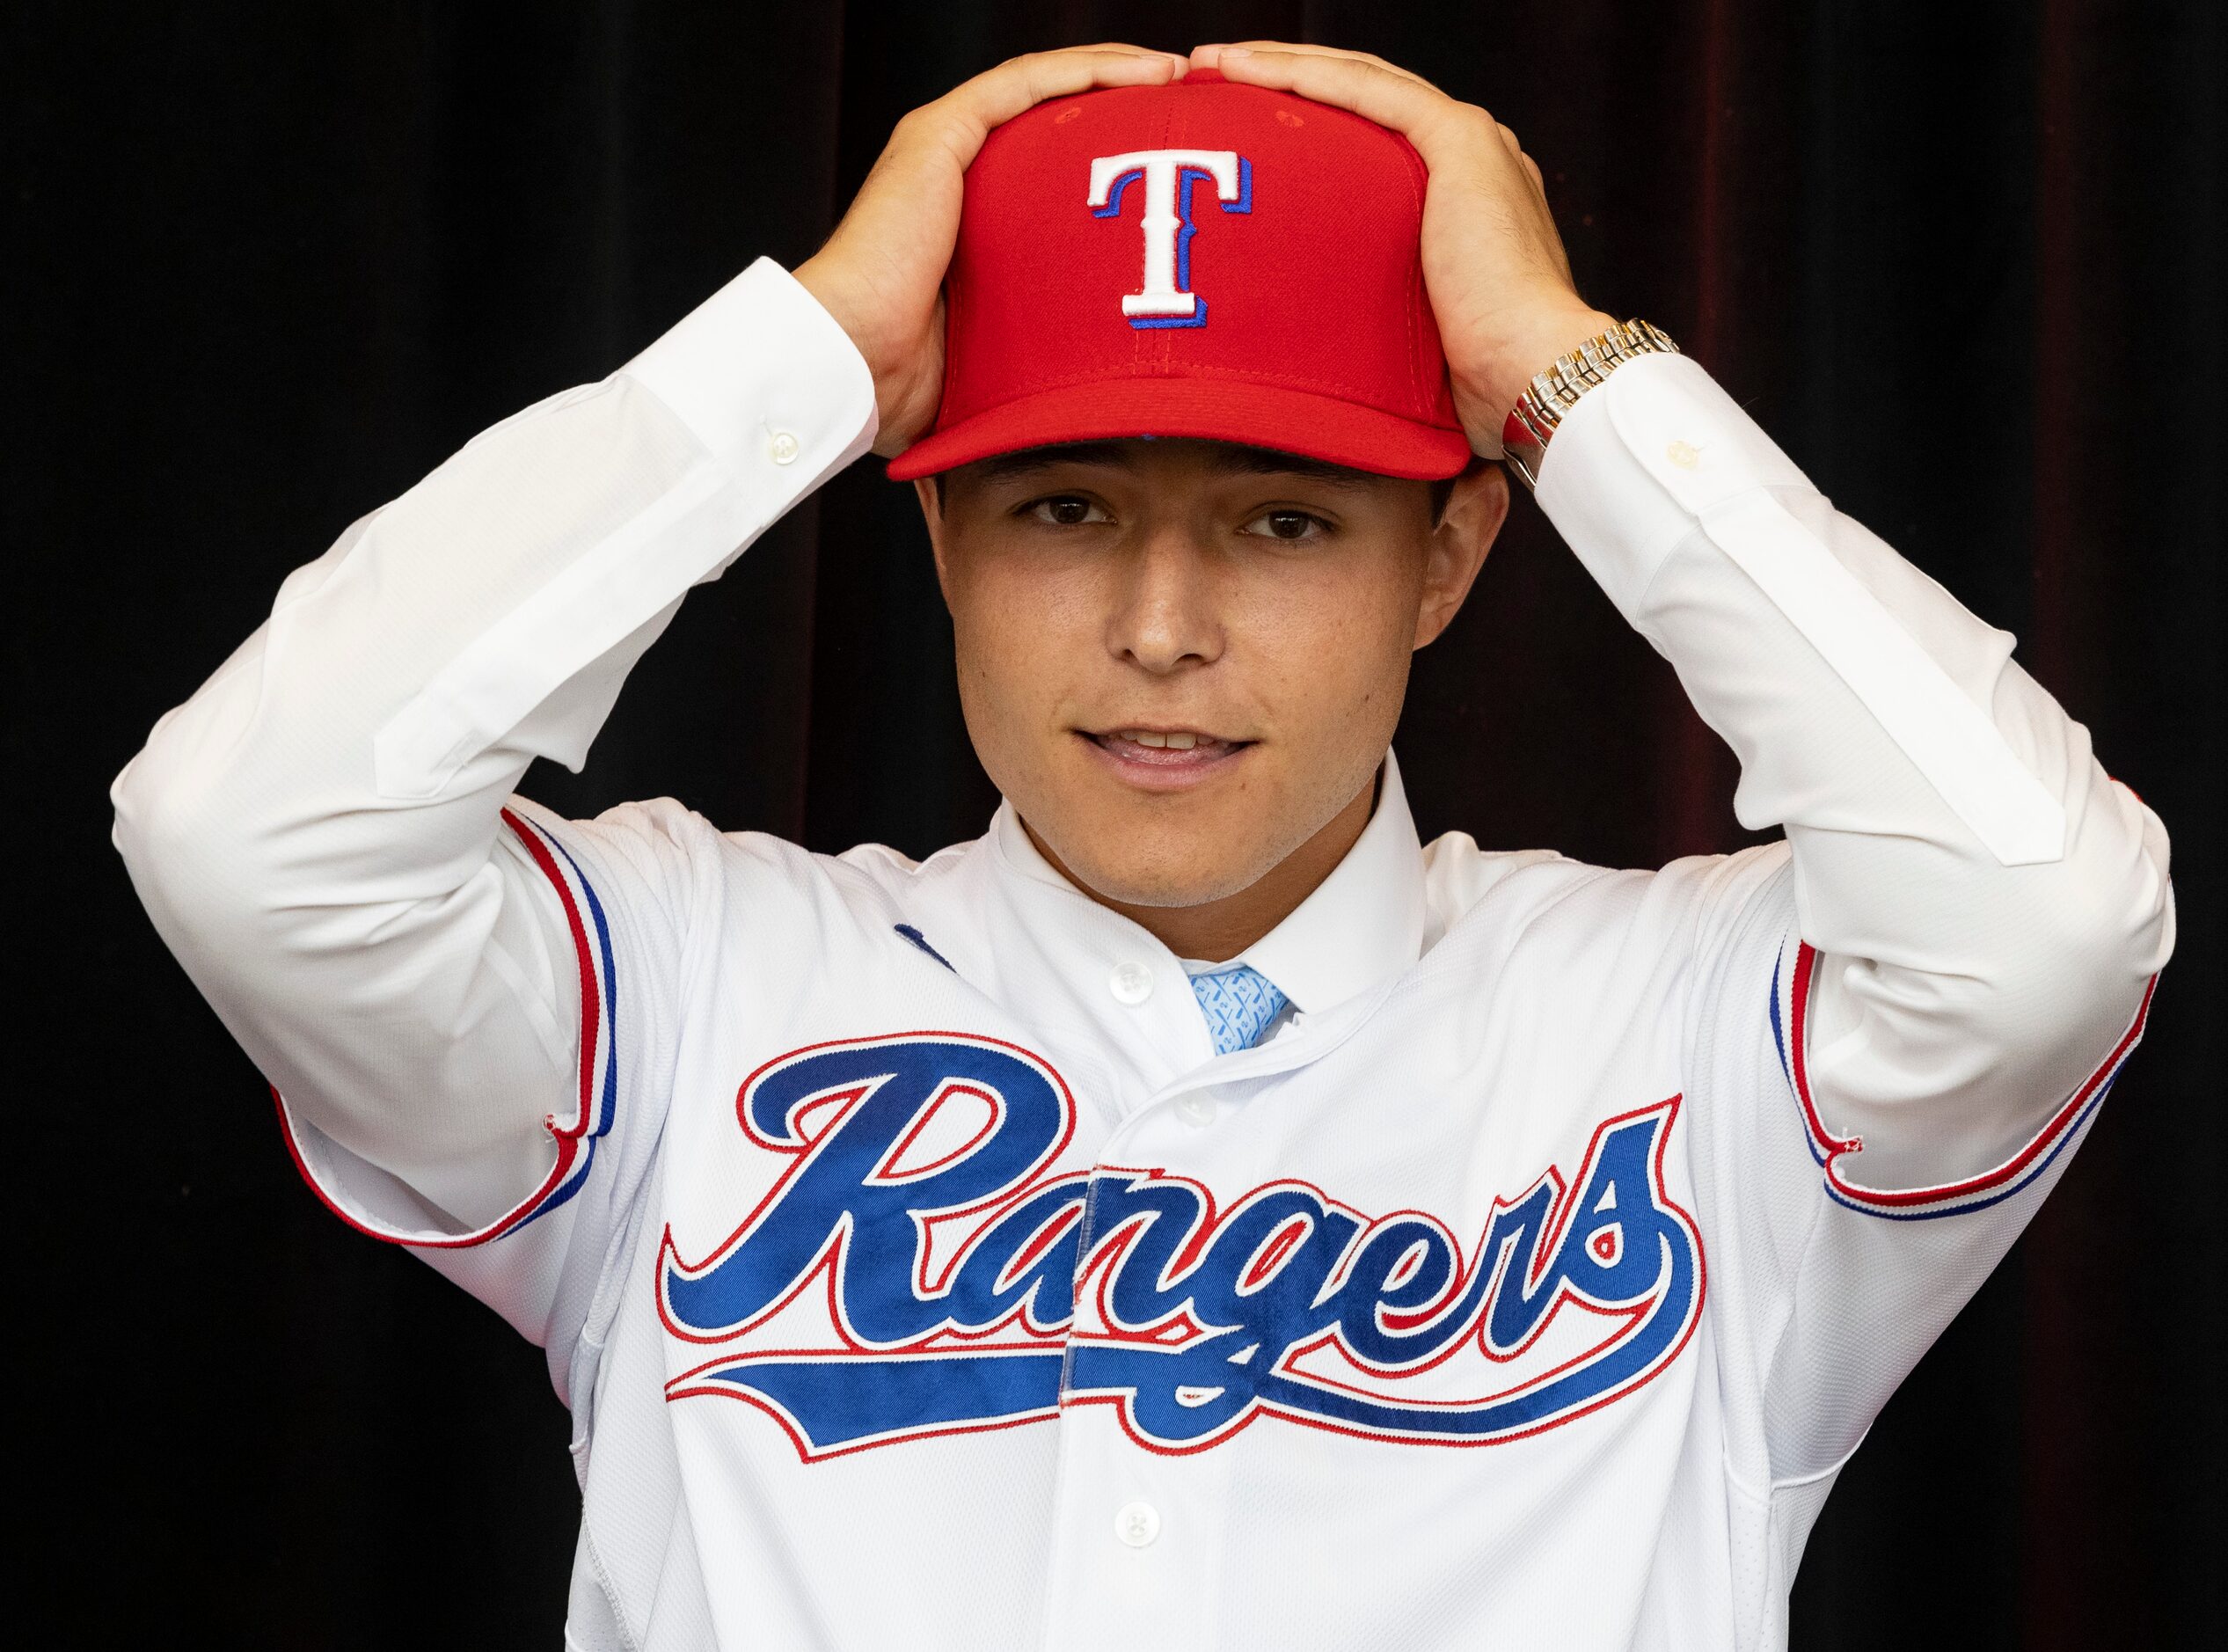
[(1228, 457)]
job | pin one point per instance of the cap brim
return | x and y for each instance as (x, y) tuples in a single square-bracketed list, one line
[(1215, 410)]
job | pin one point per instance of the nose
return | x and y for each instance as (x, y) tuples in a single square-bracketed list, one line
[(1166, 614)]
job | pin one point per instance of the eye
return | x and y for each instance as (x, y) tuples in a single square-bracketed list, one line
[(1293, 526), (1064, 511)]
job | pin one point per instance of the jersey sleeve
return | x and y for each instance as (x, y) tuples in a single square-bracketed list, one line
[(1827, 1290), (1904, 1018), (452, 993), (554, 1199)]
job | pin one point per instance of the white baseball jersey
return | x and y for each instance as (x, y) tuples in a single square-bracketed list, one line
[(916, 1271)]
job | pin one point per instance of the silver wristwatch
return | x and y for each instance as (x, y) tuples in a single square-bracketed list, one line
[(1531, 422)]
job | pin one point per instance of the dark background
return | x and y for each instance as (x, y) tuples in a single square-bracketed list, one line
[(267, 266)]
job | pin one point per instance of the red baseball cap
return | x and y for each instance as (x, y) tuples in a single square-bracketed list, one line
[(1203, 259)]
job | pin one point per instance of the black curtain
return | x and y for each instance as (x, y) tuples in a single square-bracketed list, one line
[(266, 266)]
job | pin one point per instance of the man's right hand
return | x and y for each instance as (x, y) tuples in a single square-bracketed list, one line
[(881, 274)]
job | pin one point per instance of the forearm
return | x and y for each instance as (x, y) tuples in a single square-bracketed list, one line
[(1987, 904), (317, 832)]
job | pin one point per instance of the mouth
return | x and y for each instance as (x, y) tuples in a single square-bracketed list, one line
[(1165, 759)]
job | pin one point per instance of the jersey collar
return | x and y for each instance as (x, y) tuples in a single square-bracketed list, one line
[(1362, 924)]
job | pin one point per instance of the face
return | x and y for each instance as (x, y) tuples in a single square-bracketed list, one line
[(1182, 660)]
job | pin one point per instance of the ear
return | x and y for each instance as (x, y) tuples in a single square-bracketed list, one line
[(933, 515), (1475, 510)]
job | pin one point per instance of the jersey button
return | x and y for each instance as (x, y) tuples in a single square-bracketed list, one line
[(1138, 1524), (1130, 983), (1195, 1109)]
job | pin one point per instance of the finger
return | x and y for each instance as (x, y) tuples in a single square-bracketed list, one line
[(1386, 96), (1021, 83), (933, 144), (950, 131), (1209, 57)]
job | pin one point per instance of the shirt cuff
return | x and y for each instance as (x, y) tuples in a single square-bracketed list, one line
[(777, 398), (1643, 459), (1659, 451), (766, 379)]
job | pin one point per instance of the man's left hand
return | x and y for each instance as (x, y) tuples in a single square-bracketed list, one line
[(1493, 264)]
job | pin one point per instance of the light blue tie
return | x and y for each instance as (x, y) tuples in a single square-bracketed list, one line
[(1239, 1003)]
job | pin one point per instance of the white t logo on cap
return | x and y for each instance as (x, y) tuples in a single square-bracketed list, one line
[(1166, 299)]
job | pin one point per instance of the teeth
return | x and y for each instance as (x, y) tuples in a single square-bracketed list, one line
[(1179, 742)]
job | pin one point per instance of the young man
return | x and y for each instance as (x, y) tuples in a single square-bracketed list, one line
[(1194, 1214)]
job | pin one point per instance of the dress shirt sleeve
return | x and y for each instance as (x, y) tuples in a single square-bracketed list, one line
[(325, 834), (1970, 911)]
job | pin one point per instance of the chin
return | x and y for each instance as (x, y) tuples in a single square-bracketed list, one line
[(1150, 868)]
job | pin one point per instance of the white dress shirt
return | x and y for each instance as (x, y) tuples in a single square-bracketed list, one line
[(1762, 1121)]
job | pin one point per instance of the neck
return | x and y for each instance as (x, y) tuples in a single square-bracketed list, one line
[(1214, 930)]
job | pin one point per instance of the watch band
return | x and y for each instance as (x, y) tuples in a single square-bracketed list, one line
[(1531, 422)]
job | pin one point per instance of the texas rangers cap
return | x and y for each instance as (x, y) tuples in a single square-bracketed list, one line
[(1203, 259)]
